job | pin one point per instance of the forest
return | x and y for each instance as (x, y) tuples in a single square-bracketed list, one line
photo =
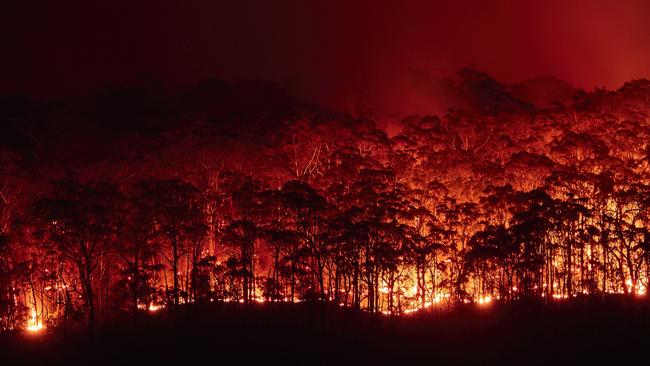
[(141, 200)]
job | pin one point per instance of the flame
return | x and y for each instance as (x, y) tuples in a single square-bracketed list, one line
[(151, 307), (485, 300), (33, 323)]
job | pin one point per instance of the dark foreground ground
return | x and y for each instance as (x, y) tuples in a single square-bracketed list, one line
[(309, 334)]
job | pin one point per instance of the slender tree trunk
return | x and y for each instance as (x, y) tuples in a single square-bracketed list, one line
[(647, 274), (582, 269), (86, 282), (355, 286), (605, 254), (569, 279), (175, 269), (337, 281), (252, 289), (320, 277), (423, 285), (293, 279), (134, 284), (186, 283)]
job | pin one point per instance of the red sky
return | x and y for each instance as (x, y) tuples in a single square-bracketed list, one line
[(331, 52)]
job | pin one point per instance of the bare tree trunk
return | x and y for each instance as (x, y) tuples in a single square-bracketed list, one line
[(355, 286), (175, 269), (135, 283), (605, 255), (293, 278), (569, 279), (86, 282)]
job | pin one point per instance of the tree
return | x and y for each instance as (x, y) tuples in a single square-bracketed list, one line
[(80, 219), (308, 210), (242, 234), (174, 211)]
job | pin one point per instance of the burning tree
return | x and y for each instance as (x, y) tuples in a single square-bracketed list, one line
[(501, 202)]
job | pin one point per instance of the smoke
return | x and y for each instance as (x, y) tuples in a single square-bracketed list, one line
[(386, 56)]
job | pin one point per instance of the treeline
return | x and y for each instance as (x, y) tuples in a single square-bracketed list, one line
[(511, 203)]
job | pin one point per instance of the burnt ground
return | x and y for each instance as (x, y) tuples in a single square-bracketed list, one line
[(312, 334)]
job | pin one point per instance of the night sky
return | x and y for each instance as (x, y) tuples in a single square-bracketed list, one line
[(334, 53)]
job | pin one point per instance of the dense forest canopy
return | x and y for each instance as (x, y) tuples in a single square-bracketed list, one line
[(135, 199)]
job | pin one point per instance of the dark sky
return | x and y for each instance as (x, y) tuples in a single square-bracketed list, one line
[(339, 53)]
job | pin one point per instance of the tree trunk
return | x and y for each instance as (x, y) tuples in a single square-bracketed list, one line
[(569, 280), (86, 282), (134, 284), (355, 286), (605, 254), (175, 269)]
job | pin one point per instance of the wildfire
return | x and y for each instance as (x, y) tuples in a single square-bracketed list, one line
[(484, 300), (33, 323), (639, 289), (413, 310), (151, 307)]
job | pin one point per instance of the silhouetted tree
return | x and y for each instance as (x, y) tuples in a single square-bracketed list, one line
[(80, 219)]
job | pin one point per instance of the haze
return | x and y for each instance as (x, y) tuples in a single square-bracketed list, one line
[(380, 55)]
